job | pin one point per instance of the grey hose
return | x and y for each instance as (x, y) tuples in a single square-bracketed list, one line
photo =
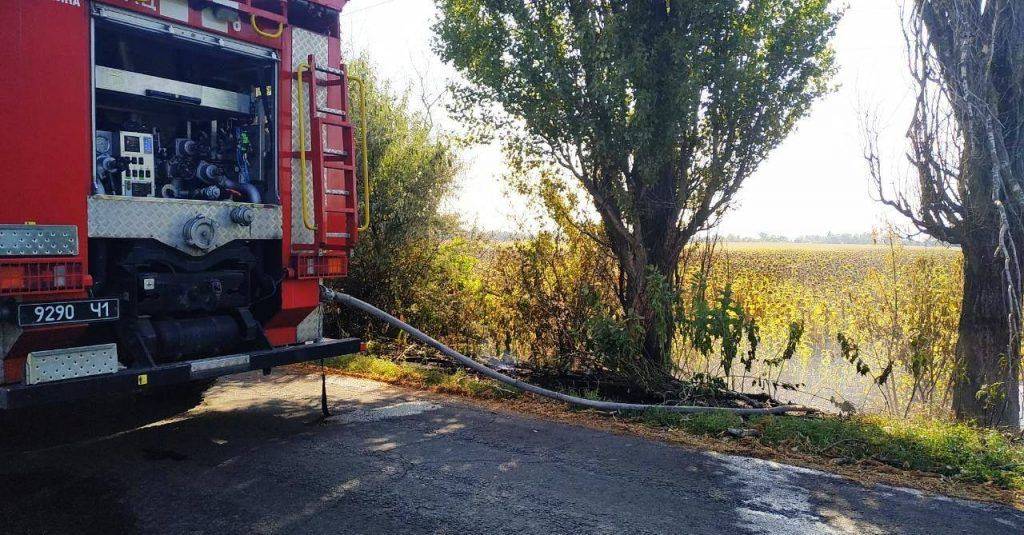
[(328, 295)]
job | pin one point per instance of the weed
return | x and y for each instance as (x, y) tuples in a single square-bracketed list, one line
[(458, 382), (709, 423), (951, 449)]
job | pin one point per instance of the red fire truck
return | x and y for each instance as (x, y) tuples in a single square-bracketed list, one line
[(177, 178)]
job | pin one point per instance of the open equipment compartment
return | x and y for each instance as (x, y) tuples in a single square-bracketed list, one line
[(179, 114), (185, 218)]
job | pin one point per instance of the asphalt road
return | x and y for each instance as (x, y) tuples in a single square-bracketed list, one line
[(254, 458)]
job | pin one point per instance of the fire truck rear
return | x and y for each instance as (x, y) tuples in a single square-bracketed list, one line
[(178, 177)]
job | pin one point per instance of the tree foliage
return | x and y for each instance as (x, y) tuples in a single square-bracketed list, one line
[(657, 109)]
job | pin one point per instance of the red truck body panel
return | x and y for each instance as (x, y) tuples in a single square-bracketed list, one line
[(46, 94)]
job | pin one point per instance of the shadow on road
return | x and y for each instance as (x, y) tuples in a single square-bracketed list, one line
[(68, 423)]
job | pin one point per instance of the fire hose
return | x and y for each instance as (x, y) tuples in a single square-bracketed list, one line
[(331, 296)]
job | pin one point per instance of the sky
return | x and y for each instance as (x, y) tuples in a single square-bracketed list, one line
[(814, 183)]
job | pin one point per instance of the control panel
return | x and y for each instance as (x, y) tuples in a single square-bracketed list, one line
[(139, 174)]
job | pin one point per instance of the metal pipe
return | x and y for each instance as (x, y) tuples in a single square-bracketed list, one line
[(364, 149), (328, 295)]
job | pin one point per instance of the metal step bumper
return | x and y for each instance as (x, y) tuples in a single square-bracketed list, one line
[(138, 379)]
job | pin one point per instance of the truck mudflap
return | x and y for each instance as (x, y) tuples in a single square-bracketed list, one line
[(138, 379)]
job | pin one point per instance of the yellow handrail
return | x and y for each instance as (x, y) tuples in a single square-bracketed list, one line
[(367, 190), (268, 35), (302, 147)]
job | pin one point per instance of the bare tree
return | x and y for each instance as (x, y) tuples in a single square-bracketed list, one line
[(430, 92), (967, 152)]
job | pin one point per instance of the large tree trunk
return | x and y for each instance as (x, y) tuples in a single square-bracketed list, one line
[(654, 313), (986, 385), (965, 57)]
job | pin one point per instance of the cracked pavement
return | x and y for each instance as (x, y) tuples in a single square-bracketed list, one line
[(255, 458)]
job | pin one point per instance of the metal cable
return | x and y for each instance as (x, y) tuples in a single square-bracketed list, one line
[(328, 295)]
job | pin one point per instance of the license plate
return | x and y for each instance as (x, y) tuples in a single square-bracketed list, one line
[(87, 311)]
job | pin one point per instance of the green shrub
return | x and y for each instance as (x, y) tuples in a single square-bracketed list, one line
[(411, 261)]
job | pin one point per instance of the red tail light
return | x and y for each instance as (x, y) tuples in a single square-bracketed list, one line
[(309, 266), (40, 276)]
